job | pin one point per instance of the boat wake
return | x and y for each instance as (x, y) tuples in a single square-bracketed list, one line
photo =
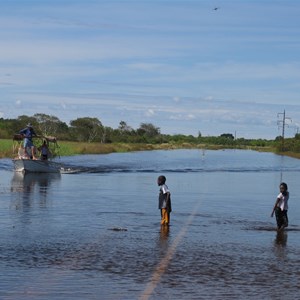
[(72, 169)]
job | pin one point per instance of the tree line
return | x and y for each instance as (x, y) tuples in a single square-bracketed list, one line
[(90, 130), (84, 129)]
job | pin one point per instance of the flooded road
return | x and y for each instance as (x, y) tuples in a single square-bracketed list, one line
[(96, 234)]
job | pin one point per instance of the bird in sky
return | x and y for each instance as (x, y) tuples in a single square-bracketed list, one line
[(216, 8)]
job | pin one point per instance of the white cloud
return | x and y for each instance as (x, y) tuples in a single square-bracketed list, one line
[(63, 105), (146, 66), (183, 117), (150, 113)]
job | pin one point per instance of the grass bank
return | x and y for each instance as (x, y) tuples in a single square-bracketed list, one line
[(75, 148), (290, 154), (6, 148)]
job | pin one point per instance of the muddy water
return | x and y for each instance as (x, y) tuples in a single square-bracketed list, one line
[(94, 233)]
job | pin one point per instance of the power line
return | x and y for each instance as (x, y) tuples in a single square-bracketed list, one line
[(282, 123)]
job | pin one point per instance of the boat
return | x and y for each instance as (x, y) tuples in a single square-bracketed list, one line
[(23, 163), (36, 166)]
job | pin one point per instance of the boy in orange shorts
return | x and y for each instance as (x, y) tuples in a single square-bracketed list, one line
[(164, 200)]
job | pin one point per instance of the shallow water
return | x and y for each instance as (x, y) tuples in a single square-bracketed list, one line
[(94, 233)]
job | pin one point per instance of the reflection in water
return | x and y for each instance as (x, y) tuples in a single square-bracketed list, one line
[(280, 243), (164, 233), (25, 187), (281, 238), (164, 239)]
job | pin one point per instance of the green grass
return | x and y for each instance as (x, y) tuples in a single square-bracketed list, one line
[(6, 148), (75, 148)]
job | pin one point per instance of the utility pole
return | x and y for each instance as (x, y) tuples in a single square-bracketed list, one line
[(282, 123)]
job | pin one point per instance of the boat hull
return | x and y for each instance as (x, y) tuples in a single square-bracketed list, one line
[(36, 166)]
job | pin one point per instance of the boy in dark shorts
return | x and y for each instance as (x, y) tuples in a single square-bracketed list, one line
[(281, 207)]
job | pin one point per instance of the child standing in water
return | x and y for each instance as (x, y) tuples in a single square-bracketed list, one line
[(164, 200), (281, 207)]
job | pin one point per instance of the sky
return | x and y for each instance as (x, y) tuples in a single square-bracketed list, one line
[(180, 65)]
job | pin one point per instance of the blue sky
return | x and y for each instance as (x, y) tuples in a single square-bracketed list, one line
[(179, 65)]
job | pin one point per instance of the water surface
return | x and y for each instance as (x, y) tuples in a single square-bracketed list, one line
[(94, 233)]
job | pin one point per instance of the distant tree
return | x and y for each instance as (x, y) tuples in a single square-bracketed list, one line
[(124, 133), (86, 129), (297, 136), (227, 135), (124, 128), (48, 125), (23, 120), (107, 135), (148, 130), (63, 131)]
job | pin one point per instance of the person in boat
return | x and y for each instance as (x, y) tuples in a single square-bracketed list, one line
[(22, 154), (28, 133), (44, 149), (164, 200), (281, 207)]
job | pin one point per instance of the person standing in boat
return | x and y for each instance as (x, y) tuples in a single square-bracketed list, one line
[(281, 207), (28, 133), (44, 149), (164, 200)]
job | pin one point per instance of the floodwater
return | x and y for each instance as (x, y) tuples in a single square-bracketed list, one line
[(94, 231)]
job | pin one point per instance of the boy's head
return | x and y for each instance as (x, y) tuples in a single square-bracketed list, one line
[(283, 187), (161, 180)]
